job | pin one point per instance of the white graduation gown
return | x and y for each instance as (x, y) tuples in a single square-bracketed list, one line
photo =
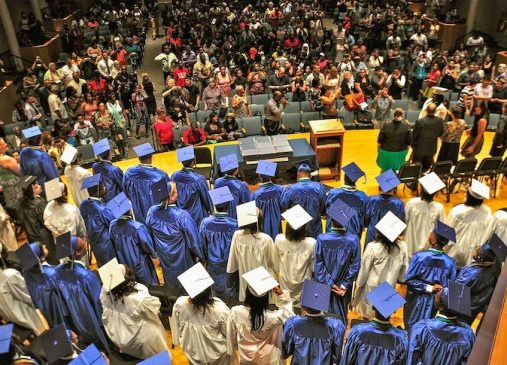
[(201, 336), (75, 176), (261, 347), (421, 218), (16, 304), (61, 218), (377, 266), (295, 262), (501, 225), (133, 325), (248, 252), (7, 235), (474, 226)]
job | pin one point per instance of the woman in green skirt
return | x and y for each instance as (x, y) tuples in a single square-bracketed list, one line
[(393, 141)]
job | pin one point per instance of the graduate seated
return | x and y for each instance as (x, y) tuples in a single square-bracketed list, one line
[(11, 348)]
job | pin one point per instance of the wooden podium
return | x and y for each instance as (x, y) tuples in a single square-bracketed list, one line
[(326, 139)]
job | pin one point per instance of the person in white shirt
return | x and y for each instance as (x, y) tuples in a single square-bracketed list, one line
[(501, 224), (419, 38), (32, 112), (105, 66), (78, 84), (56, 107), (68, 70), (483, 91)]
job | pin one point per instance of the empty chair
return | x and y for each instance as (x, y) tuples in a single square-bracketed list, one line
[(289, 96), (306, 107), (255, 108), (252, 126), (202, 116), (403, 104), (292, 122), (9, 127), (463, 170), (204, 162), (292, 107), (306, 117), (442, 169), (493, 122), (339, 104), (412, 116), (192, 117), (454, 96), (260, 99), (347, 117), (410, 173), (489, 166)]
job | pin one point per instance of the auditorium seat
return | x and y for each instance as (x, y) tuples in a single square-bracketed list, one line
[(252, 126), (292, 122), (260, 99), (292, 107), (256, 108), (306, 117), (306, 107)]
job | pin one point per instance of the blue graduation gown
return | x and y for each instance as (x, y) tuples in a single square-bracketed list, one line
[(481, 279), (376, 207), (440, 341), (111, 176), (216, 236), (313, 340), (337, 261), (267, 198), (193, 194), (137, 183), (356, 200), (36, 162), (45, 294), (176, 240), (239, 190), (375, 343), (426, 268), (134, 247), (97, 218), (80, 289), (311, 196)]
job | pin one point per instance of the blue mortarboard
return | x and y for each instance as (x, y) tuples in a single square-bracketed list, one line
[(496, 247), (304, 167), (185, 154), (445, 231), (101, 146), (31, 132), (160, 191), (457, 298), (266, 168), (90, 356), (144, 150), (56, 343), (221, 195), (63, 246), (229, 163), (91, 181), (353, 171), (119, 205), (315, 295), (27, 256), (388, 180), (5, 337), (385, 299), (340, 212), (161, 359)]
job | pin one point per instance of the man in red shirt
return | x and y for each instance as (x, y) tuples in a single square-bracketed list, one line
[(194, 136), (179, 74)]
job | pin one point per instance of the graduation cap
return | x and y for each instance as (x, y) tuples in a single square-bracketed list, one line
[(185, 154), (27, 181), (385, 299), (457, 298), (340, 212), (221, 195), (431, 183), (296, 216), (229, 163), (479, 190), (260, 281), (195, 280), (445, 232), (91, 181), (266, 168), (101, 146), (5, 337), (144, 150), (495, 247), (31, 132), (247, 213), (54, 189), (64, 246), (353, 171), (90, 356), (437, 90), (315, 295), (388, 180), (56, 343), (27, 256), (119, 205), (162, 358), (69, 154), (390, 226), (160, 190), (112, 274), (304, 167)]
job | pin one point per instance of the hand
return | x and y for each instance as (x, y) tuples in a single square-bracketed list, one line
[(499, 147), (469, 150), (278, 291), (467, 113), (436, 288)]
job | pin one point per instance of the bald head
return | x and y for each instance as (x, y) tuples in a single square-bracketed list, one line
[(431, 109)]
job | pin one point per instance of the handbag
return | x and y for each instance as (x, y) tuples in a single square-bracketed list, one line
[(349, 101)]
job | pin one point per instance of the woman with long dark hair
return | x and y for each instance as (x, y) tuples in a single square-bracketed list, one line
[(473, 145)]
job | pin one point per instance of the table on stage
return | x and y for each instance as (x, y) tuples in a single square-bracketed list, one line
[(302, 151)]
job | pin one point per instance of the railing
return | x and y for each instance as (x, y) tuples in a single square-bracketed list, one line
[(10, 64)]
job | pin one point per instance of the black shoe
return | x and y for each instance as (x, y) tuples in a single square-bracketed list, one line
[(137, 136), (146, 135)]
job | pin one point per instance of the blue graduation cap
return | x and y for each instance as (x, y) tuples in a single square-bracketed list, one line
[(91, 181), (28, 180), (445, 232), (119, 205), (101, 146), (221, 195), (5, 337), (63, 246), (161, 359), (56, 343), (315, 295), (229, 163), (457, 298), (304, 166), (185, 154), (160, 190), (495, 247), (353, 171), (385, 299), (266, 168), (31, 132), (27, 256), (388, 180), (144, 150), (340, 212), (90, 356)]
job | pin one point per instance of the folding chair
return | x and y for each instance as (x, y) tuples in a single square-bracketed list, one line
[(410, 173), (442, 169), (204, 162), (489, 167), (463, 170)]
